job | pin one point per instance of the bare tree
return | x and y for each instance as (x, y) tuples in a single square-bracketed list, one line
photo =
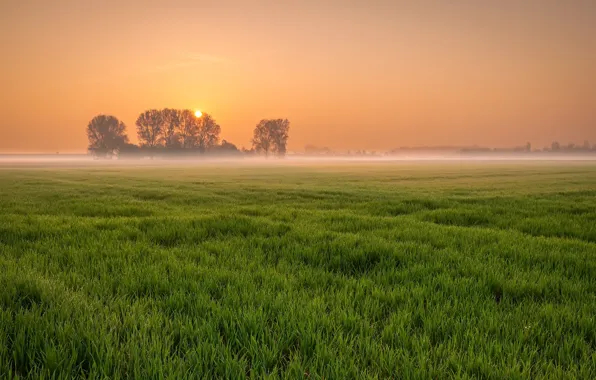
[(150, 128), (271, 136), (106, 135)]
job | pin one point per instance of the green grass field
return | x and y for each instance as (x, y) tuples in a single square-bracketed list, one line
[(363, 270)]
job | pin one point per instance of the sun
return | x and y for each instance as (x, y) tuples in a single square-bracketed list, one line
[(198, 113)]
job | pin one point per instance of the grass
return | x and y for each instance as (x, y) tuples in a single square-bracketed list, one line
[(290, 271)]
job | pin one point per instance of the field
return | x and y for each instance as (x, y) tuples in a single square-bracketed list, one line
[(361, 270)]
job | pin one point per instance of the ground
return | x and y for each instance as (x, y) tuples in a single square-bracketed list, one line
[(338, 270)]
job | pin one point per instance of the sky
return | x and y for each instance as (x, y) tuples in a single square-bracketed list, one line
[(347, 74)]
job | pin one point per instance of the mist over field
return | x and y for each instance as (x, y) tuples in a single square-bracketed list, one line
[(80, 159)]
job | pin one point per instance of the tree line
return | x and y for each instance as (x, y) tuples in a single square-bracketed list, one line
[(179, 132), (555, 147)]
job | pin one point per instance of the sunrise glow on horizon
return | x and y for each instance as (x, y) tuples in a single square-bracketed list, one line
[(375, 75)]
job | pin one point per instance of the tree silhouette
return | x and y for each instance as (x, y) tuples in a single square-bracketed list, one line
[(106, 135), (188, 129), (226, 145), (226, 148), (208, 132), (262, 141), (197, 132), (271, 136), (171, 124), (129, 151), (150, 128)]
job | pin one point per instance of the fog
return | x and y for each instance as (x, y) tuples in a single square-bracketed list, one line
[(29, 160)]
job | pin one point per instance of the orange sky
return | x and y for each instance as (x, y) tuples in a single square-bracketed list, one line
[(348, 74)]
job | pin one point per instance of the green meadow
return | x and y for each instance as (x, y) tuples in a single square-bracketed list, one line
[(335, 271)]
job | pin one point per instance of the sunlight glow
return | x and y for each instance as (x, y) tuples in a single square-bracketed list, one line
[(198, 113)]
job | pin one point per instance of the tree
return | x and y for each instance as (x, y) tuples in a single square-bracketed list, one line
[(226, 145), (208, 132), (271, 136), (150, 128), (106, 135), (226, 148), (315, 150), (555, 146), (188, 129), (262, 141), (130, 151), (247, 152), (197, 132), (171, 124)]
